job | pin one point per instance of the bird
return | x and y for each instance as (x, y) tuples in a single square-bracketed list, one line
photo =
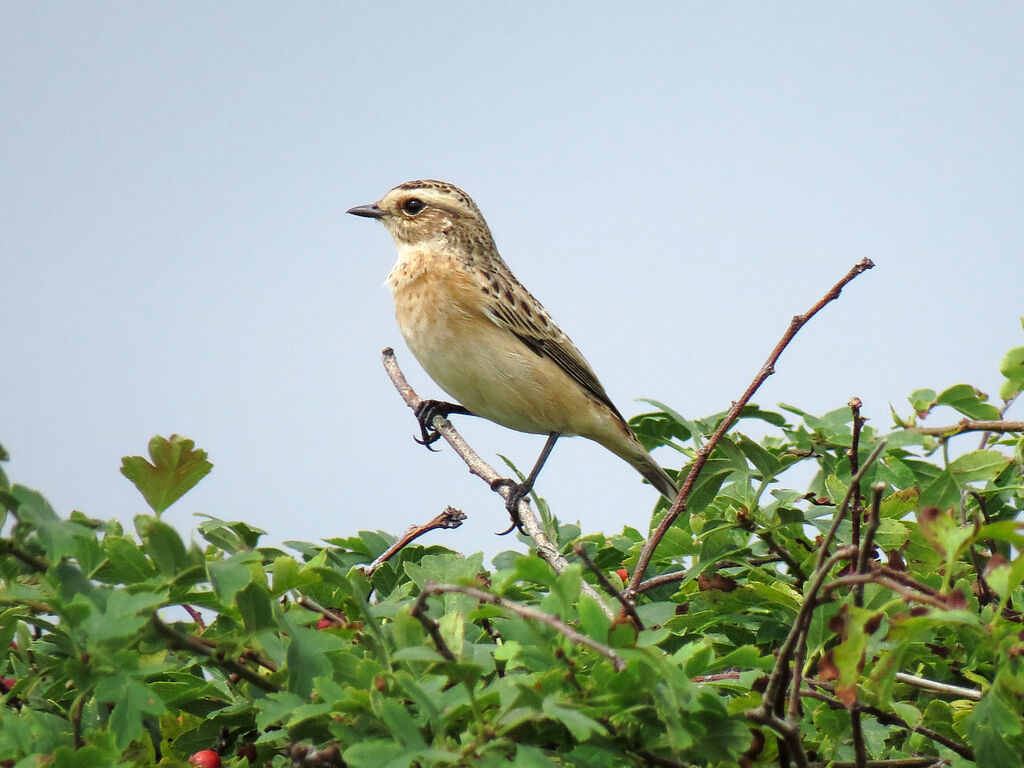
[(485, 340)]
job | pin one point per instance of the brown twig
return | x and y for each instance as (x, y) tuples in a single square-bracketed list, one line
[(448, 518), (546, 549), (627, 605), (842, 509), (525, 612), (909, 595), (857, 501), (970, 425), (789, 733), (774, 687), (898, 762), (702, 455), (194, 645), (888, 718), (419, 610), (860, 752), (33, 562), (868, 544), (312, 605)]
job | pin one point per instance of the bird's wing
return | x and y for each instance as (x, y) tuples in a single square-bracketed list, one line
[(518, 312)]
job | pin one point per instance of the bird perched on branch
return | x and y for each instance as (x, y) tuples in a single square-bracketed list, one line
[(485, 339)]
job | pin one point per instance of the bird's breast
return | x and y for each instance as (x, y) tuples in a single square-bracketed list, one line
[(440, 308)]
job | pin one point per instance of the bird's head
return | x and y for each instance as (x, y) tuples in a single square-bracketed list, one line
[(427, 212)]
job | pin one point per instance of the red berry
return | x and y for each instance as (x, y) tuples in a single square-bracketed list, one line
[(205, 758), (6, 683), (324, 623), (623, 574)]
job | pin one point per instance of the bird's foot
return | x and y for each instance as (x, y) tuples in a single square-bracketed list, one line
[(425, 413), (519, 492)]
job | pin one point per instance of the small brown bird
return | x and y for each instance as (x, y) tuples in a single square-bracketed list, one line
[(485, 339)]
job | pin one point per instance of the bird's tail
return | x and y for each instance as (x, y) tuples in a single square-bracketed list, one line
[(656, 476), (638, 458)]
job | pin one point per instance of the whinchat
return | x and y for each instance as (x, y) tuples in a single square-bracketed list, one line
[(484, 338)]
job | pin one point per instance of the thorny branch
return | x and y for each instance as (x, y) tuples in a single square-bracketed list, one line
[(702, 455), (546, 549)]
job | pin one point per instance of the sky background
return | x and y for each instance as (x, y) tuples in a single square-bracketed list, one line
[(672, 181)]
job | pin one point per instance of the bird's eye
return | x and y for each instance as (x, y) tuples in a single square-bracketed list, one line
[(413, 206)]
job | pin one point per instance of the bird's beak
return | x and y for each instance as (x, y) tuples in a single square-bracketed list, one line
[(368, 211)]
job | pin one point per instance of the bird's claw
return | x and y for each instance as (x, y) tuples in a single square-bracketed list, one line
[(425, 413), (517, 494)]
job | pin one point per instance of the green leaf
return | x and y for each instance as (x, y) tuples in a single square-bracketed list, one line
[(123, 615), (176, 467), (1012, 366), (942, 492), (163, 544), (993, 719), (767, 464), (593, 621), (978, 465), (969, 401), (232, 574), (943, 533), (255, 608), (131, 701), (581, 726), (373, 753)]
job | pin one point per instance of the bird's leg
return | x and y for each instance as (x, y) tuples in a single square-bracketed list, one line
[(519, 490), (425, 413)]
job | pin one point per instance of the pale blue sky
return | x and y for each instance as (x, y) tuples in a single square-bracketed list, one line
[(674, 182)]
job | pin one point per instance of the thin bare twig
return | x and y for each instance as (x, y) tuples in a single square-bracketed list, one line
[(525, 612), (857, 500), (419, 610), (890, 584), (333, 616), (627, 605), (842, 508), (935, 685), (546, 549), (898, 762), (868, 544), (702, 455), (448, 518), (860, 752)]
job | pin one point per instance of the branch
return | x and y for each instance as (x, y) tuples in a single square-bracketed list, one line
[(842, 509), (898, 762), (525, 612), (774, 686), (546, 549), (701, 457), (627, 605), (935, 685), (855, 516), (450, 517), (970, 425), (890, 584), (888, 718), (193, 645)]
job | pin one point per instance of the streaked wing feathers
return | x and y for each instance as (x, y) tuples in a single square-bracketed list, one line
[(534, 327)]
